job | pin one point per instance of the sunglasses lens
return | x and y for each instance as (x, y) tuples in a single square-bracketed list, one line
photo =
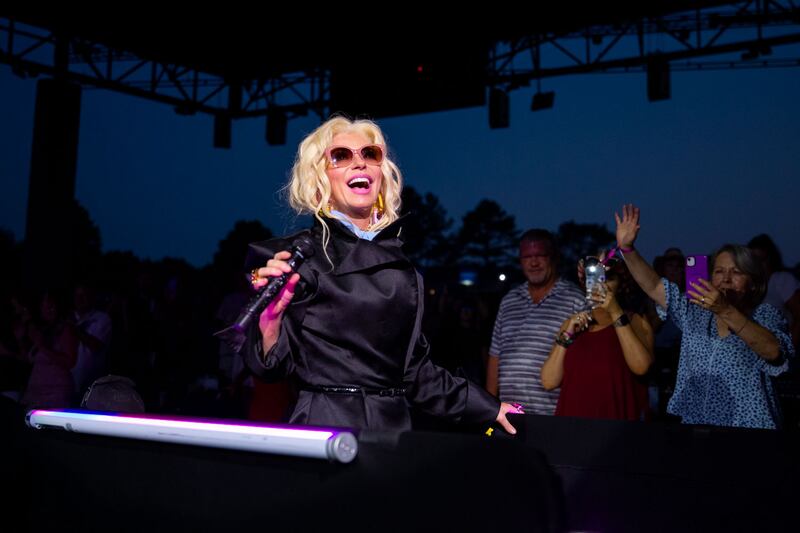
[(372, 154), (340, 156)]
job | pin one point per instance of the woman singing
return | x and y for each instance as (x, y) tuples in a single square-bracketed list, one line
[(351, 337)]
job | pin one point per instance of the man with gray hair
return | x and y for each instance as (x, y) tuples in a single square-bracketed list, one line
[(527, 323)]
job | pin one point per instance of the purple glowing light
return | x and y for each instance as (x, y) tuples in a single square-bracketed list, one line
[(191, 424)]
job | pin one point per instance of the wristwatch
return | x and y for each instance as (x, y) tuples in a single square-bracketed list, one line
[(623, 320)]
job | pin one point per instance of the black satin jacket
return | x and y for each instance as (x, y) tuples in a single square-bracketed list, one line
[(357, 324)]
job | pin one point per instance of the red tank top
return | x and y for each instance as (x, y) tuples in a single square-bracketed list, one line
[(597, 382)]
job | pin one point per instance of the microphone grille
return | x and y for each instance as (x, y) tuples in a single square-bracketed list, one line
[(304, 245)]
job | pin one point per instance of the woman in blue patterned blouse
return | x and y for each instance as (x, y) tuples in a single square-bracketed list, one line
[(732, 345)]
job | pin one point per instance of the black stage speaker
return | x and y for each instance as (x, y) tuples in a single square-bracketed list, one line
[(222, 131), (499, 108), (658, 79)]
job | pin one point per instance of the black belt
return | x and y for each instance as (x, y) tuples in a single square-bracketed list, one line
[(351, 389)]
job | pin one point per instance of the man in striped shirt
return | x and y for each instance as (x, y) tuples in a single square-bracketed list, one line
[(529, 318)]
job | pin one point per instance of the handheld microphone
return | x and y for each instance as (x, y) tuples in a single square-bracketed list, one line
[(234, 335)]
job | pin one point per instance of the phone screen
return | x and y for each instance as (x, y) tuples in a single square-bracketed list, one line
[(595, 275), (696, 268)]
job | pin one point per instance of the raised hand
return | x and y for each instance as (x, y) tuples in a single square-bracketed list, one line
[(627, 226)]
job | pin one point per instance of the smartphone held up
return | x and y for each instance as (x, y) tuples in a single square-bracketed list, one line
[(696, 268), (595, 272)]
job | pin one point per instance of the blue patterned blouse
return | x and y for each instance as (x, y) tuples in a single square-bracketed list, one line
[(721, 381)]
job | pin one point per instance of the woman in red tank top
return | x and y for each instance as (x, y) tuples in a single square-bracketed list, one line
[(600, 355)]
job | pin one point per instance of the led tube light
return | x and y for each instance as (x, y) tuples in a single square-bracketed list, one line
[(331, 444)]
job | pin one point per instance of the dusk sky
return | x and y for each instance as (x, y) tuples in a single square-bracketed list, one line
[(718, 162)]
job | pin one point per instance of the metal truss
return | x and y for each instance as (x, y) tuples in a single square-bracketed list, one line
[(743, 33), (31, 51)]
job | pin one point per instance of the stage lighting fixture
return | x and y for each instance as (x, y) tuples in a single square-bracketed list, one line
[(499, 104), (222, 131), (276, 126), (658, 79), (543, 100)]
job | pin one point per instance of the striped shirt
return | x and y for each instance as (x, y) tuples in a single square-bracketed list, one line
[(524, 333)]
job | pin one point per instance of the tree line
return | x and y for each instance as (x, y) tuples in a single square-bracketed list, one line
[(485, 241)]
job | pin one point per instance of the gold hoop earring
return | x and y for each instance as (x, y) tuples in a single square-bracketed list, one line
[(378, 209), (326, 210)]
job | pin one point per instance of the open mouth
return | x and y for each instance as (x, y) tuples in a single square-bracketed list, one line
[(359, 182)]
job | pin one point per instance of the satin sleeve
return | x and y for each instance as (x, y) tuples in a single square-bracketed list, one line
[(279, 362), (437, 392)]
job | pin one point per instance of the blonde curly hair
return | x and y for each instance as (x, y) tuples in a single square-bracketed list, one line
[(309, 187)]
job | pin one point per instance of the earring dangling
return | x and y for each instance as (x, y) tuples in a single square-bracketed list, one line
[(378, 209), (326, 210)]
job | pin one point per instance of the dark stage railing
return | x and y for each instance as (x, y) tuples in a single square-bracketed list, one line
[(414, 481), (558, 474), (654, 477)]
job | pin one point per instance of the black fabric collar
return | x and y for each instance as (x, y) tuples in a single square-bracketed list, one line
[(351, 253)]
